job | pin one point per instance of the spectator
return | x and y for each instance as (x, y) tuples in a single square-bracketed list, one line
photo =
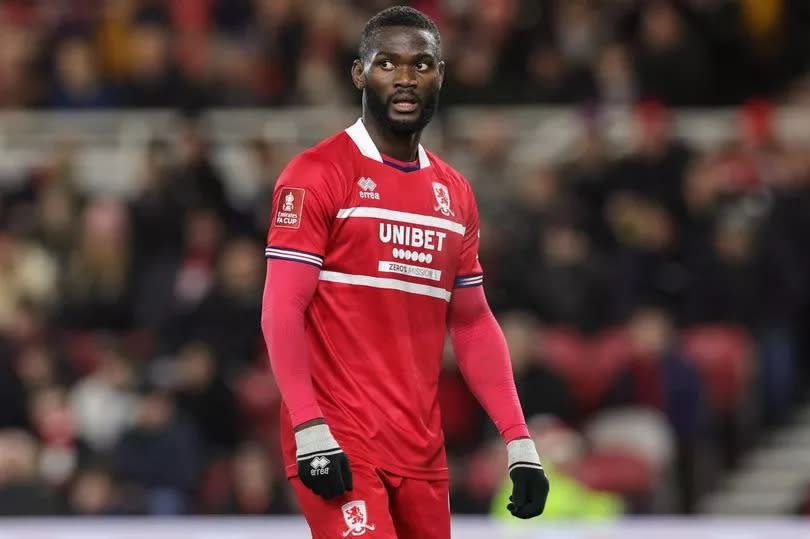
[(521, 332), (153, 82), (226, 317), (77, 84), (256, 489), (98, 281), (28, 273), (94, 492), (22, 493), (748, 276), (566, 281), (672, 64), (204, 397), (105, 403), (160, 455), (658, 375)]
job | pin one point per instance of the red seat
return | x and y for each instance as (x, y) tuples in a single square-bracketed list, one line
[(610, 350), (721, 353), (615, 471), (567, 352), (215, 485), (258, 399), (84, 350)]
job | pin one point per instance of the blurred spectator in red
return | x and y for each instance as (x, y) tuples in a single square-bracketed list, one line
[(55, 425)]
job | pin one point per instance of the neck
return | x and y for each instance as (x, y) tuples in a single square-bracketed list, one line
[(401, 147)]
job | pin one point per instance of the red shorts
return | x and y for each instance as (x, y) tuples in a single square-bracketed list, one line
[(381, 506)]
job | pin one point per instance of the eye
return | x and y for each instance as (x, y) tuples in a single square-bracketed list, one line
[(422, 66), (386, 65)]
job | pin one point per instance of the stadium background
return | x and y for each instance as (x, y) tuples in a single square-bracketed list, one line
[(643, 178)]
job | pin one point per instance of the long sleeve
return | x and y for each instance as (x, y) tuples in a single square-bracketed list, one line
[(483, 358), (288, 290)]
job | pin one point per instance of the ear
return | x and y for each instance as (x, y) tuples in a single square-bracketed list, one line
[(358, 77), (440, 69)]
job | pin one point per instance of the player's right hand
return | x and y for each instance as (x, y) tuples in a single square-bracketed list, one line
[(322, 465)]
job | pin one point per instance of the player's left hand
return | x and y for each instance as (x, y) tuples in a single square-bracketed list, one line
[(529, 482)]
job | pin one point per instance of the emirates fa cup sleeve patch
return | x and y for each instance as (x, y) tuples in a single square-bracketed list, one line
[(290, 207)]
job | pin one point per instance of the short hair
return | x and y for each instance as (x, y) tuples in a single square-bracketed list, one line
[(396, 16)]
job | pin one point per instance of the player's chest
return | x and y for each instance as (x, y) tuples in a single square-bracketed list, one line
[(410, 221)]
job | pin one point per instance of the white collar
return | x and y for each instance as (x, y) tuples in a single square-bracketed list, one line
[(359, 134)]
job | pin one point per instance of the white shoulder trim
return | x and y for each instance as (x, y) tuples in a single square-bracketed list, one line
[(362, 139), (424, 162), (359, 135)]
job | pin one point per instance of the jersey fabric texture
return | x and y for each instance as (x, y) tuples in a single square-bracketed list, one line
[(391, 245)]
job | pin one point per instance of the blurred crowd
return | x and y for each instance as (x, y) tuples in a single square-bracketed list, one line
[(70, 54), (652, 295)]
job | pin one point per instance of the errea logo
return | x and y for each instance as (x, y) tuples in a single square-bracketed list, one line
[(320, 466), (367, 187)]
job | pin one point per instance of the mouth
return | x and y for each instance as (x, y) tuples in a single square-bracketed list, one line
[(405, 104)]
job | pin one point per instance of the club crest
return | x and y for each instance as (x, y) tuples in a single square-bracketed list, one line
[(356, 517), (442, 199)]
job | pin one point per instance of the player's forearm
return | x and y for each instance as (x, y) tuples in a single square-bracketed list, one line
[(287, 294), (483, 358)]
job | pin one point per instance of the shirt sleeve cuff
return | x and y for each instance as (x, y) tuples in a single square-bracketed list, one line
[(308, 413), (514, 432)]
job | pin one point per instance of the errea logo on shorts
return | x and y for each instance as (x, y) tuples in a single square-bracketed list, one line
[(356, 517), (290, 207), (367, 187)]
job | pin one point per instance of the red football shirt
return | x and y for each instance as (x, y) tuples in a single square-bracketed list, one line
[(392, 242)]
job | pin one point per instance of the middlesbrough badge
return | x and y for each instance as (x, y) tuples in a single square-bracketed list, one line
[(356, 517)]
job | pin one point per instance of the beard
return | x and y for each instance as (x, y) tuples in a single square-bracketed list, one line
[(379, 109)]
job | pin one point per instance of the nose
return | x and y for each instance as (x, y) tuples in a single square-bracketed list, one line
[(405, 77)]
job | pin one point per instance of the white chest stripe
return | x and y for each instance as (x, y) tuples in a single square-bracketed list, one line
[(402, 217), (390, 284)]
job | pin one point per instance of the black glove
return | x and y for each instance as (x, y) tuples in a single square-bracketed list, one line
[(529, 482), (322, 465)]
